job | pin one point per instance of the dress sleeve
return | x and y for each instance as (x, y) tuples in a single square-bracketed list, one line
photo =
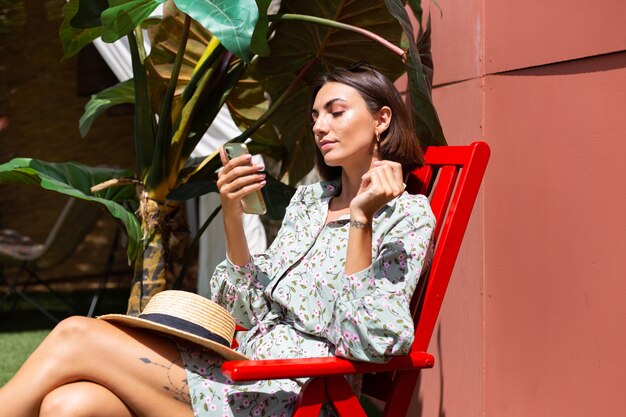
[(371, 317), (241, 289)]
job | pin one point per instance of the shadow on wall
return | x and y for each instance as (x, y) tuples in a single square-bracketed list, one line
[(419, 405), (600, 63)]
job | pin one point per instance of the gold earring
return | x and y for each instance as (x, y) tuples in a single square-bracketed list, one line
[(377, 137)]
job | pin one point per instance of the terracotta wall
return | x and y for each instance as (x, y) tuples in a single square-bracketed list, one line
[(533, 321)]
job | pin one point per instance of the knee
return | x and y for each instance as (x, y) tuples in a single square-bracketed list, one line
[(73, 328), (70, 335), (63, 402)]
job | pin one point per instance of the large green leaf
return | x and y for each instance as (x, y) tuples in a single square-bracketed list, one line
[(121, 93), (231, 21), (165, 38), (258, 44), (299, 53), (123, 16), (427, 124), (73, 39), (75, 179), (89, 12)]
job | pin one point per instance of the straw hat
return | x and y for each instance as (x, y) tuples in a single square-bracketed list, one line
[(187, 316)]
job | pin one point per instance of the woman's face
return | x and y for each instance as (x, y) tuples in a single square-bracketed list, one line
[(343, 126)]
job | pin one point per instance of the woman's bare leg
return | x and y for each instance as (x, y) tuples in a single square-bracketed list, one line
[(143, 369), (83, 399)]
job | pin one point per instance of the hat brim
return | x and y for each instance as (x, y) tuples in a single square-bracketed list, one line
[(132, 321)]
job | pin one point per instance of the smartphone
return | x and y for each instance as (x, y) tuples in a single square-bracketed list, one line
[(252, 203)]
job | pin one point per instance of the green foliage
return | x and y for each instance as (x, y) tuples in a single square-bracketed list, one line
[(75, 179), (122, 93), (88, 15), (427, 123), (206, 53), (123, 16), (231, 22), (144, 119), (73, 39)]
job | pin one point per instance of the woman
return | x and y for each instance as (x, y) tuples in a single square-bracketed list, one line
[(336, 281)]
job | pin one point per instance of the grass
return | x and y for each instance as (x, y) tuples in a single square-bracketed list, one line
[(15, 347), (23, 329)]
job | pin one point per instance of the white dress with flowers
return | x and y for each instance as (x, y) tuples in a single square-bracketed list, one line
[(298, 302)]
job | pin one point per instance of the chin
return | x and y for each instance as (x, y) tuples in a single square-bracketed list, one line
[(332, 162)]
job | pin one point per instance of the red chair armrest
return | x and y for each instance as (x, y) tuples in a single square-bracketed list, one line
[(310, 367)]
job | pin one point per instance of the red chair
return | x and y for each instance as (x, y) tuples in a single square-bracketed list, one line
[(451, 177)]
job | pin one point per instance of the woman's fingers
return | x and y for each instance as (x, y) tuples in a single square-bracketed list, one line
[(238, 177), (390, 178), (223, 157), (227, 176), (242, 185)]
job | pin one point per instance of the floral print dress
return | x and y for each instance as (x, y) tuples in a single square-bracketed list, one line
[(297, 301)]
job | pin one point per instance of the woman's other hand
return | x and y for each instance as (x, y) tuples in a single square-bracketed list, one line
[(381, 184), (237, 178)]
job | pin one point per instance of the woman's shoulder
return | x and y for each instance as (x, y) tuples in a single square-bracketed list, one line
[(316, 191), (413, 206)]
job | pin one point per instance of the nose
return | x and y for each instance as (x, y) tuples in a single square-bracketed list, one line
[(320, 126)]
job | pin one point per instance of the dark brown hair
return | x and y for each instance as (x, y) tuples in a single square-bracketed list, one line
[(399, 142)]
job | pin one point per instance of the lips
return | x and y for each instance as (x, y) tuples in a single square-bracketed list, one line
[(326, 144)]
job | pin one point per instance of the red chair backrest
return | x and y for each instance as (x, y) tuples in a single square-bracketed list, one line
[(451, 177)]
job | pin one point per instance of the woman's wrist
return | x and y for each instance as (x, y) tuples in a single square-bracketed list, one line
[(359, 224), (359, 217)]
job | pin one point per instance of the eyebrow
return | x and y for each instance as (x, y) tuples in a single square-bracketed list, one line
[(328, 104)]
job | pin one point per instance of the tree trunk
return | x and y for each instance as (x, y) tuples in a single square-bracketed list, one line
[(165, 238)]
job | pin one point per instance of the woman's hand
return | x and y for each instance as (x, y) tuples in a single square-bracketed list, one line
[(238, 178), (381, 184)]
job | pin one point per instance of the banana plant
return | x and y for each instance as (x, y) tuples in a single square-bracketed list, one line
[(206, 54)]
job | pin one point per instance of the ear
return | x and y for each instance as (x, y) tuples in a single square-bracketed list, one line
[(382, 119)]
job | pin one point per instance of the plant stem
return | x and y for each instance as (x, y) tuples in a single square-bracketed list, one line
[(160, 166), (140, 45), (338, 25)]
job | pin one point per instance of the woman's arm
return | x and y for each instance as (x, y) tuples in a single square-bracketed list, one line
[(381, 184), (371, 318), (241, 288)]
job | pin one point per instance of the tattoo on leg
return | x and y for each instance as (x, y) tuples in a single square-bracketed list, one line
[(180, 391)]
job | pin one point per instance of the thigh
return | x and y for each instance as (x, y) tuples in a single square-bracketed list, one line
[(142, 368), (83, 399)]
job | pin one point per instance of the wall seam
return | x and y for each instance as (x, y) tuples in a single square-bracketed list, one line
[(483, 82)]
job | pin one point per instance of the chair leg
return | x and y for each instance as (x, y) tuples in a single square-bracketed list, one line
[(398, 404), (334, 389), (11, 287), (40, 281), (311, 398), (19, 292), (343, 398), (38, 306)]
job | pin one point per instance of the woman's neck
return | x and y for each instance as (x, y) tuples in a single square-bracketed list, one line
[(351, 178)]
